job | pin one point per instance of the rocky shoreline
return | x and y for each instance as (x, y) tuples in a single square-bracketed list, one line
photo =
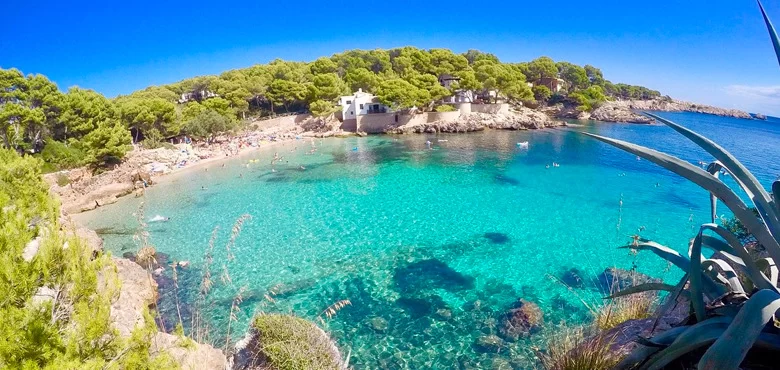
[(518, 119), (626, 110)]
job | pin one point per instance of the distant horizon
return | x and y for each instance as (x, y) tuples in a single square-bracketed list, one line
[(715, 53)]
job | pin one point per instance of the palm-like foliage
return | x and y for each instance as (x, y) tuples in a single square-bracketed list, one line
[(731, 315)]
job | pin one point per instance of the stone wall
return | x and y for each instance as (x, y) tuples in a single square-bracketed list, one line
[(490, 108), (349, 125), (379, 123), (442, 116), (280, 123)]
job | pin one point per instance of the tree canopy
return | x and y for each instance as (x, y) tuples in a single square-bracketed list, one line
[(33, 111)]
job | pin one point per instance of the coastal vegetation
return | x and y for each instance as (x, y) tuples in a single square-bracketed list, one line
[(733, 294), (82, 127), (56, 298)]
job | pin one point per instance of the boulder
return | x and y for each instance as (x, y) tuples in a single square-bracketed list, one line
[(489, 344), (378, 324), (93, 241), (188, 354), (137, 293), (616, 279), (523, 319), (618, 113), (31, 249), (573, 278), (141, 175)]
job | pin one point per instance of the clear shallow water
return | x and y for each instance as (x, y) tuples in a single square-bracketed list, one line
[(410, 234)]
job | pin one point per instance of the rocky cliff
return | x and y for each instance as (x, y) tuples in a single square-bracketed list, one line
[(519, 119), (625, 110)]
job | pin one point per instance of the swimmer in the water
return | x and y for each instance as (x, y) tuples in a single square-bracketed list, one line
[(159, 218)]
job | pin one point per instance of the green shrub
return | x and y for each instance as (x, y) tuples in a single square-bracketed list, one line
[(62, 155), (445, 108), (72, 330), (291, 343)]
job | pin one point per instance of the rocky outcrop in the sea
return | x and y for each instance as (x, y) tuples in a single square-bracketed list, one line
[(520, 119), (618, 113), (671, 105), (523, 319), (274, 340)]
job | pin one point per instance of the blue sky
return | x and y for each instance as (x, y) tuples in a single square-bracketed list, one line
[(715, 52)]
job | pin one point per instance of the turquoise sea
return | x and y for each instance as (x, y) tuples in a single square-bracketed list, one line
[(430, 246)]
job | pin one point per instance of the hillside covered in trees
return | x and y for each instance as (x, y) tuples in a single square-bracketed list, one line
[(81, 126)]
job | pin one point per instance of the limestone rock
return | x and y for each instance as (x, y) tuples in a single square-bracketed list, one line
[(42, 295), (379, 324), (93, 241), (138, 292), (618, 113), (489, 344), (522, 320), (518, 119), (31, 249), (671, 105), (189, 354), (616, 279)]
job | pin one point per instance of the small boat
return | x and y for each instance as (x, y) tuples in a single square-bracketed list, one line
[(522, 145)]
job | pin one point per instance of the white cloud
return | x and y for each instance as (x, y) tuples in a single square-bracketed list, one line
[(766, 92)]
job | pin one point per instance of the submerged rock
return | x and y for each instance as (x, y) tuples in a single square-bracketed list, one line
[(573, 278), (489, 344), (430, 274), (378, 324), (497, 238), (522, 320)]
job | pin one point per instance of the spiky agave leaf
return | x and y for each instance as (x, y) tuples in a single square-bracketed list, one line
[(728, 272), (730, 348), (751, 268), (714, 169), (650, 346), (768, 265), (697, 293), (744, 178), (682, 262), (776, 195), (696, 336), (772, 33), (706, 181)]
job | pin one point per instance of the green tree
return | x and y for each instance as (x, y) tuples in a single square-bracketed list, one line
[(322, 66), (83, 110), (589, 98), (473, 56), (285, 92), (208, 124), (147, 114), (400, 94), (594, 75), (361, 78), (541, 93), (322, 108), (542, 67), (575, 76), (107, 143), (328, 87)]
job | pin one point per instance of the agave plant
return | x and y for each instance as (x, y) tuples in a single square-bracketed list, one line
[(730, 315)]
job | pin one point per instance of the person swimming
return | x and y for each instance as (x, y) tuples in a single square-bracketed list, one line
[(159, 218)]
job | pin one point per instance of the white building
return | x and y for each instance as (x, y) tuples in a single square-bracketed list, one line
[(361, 103), (458, 96)]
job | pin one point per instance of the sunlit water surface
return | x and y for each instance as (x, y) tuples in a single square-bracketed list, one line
[(413, 237)]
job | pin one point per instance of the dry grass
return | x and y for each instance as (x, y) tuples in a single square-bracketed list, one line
[(333, 309), (577, 349), (619, 310)]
